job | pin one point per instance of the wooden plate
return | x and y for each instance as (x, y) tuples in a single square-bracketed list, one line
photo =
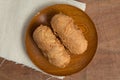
[(78, 62)]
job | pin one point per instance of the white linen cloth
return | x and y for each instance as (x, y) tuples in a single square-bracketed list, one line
[(14, 17)]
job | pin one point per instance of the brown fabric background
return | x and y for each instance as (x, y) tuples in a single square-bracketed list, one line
[(105, 64)]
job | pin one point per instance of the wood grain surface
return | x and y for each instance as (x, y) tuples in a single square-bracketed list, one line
[(105, 65)]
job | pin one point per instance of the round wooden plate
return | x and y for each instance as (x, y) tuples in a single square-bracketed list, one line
[(78, 62)]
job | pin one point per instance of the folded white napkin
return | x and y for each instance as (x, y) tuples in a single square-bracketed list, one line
[(14, 17)]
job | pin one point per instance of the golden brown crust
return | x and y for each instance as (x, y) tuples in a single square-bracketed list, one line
[(51, 46), (71, 37)]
